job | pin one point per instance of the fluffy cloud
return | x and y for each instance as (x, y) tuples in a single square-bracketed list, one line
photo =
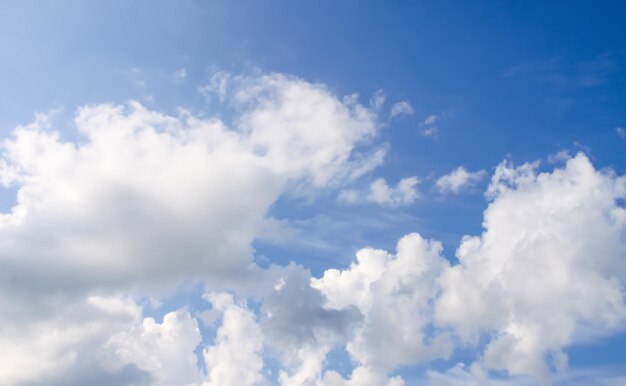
[(235, 358), (141, 201), (458, 179), (147, 198), (163, 350), (300, 328), (404, 193), (547, 271), (395, 294)]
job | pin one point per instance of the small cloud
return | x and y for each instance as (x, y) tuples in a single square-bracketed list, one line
[(379, 192), (218, 84), (431, 132), (180, 75), (378, 99), (562, 155), (621, 132), (401, 108), (431, 119), (458, 179)]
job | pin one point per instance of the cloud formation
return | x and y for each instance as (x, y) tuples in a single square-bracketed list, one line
[(143, 201)]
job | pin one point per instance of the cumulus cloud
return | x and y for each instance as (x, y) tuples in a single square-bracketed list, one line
[(543, 232), (142, 201), (143, 196), (458, 179), (395, 294), (163, 350), (235, 357), (401, 108), (300, 328), (379, 192)]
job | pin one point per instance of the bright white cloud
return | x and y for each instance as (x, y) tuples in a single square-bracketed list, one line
[(458, 179), (543, 232), (144, 200), (401, 108), (235, 358), (395, 294)]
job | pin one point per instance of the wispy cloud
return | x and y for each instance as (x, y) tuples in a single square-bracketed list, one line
[(401, 108), (558, 72)]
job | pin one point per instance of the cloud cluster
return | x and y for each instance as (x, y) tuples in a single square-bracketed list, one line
[(143, 201)]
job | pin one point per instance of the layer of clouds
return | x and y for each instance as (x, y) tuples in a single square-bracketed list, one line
[(458, 179), (143, 201)]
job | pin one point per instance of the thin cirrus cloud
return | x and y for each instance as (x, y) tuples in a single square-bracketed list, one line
[(145, 201)]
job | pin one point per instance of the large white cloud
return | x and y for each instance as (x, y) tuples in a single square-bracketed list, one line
[(395, 294), (143, 197), (548, 270), (141, 201)]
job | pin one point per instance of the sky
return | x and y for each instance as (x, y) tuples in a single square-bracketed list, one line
[(316, 193)]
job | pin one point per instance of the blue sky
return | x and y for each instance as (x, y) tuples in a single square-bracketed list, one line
[(524, 101)]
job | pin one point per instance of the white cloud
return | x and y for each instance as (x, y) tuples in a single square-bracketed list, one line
[(235, 358), (431, 119), (431, 132), (143, 201), (401, 108), (300, 329), (620, 131), (395, 294), (143, 195), (543, 232), (379, 192), (163, 350), (458, 179), (58, 345)]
